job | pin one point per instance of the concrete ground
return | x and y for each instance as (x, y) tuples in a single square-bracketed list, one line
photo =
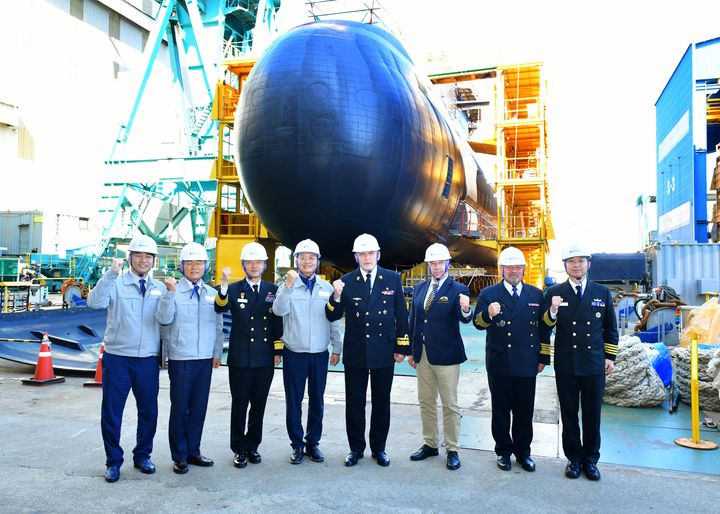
[(53, 461)]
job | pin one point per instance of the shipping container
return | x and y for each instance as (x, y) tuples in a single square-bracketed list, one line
[(692, 269)]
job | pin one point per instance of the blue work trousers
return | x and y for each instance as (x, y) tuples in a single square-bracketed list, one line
[(299, 368), (189, 391), (120, 375)]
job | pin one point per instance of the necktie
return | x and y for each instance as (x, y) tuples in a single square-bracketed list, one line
[(515, 293), (368, 283), (256, 289), (578, 288), (195, 291), (430, 297), (142, 286)]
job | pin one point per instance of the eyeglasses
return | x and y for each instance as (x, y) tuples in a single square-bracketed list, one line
[(194, 263)]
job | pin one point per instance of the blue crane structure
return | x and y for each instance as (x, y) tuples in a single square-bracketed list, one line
[(198, 35)]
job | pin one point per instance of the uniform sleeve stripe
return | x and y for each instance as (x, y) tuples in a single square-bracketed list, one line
[(403, 341), (611, 349), (221, 302), (480, 321), (548, 320), (278, 345), (330, 307)]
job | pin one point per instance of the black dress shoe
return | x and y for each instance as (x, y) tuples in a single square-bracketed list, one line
[(424, 452), (254, 457), (240, 460), (591, 471), (526, 463), (296, 456), (572, 470), (180, 467), (200, 460), (145, 466), (314, 453), (381, 458), (503, 462), (352, 458), (453, 461), (112, 474)]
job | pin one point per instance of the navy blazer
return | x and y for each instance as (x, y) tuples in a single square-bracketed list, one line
[(255, 331), (585, 330), (438, 328), (376, 327), (518, 338)]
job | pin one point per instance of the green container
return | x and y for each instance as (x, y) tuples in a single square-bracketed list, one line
[(9, 269)]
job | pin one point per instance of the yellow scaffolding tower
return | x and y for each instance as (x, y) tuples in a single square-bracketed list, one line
[(233, 224), (521, 173)]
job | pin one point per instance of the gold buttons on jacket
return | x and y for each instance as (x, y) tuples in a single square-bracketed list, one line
[(509, 334)]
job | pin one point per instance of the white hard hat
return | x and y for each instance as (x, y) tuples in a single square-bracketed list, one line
[(365, 243), (193, 252), (575, 250), (512, 256), (437, 252), (143, 243), (253, 252), (307, 245)]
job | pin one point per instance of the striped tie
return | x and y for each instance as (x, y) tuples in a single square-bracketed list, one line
[(431, 296)]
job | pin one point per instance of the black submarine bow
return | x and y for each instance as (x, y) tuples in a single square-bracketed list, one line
[(337, 135)]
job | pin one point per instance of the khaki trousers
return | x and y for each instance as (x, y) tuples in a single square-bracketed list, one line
[(433, 379)]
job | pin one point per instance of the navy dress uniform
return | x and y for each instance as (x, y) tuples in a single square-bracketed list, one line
[(585, 336), (376, 328), (437, 352), (516, 349), (255, 338)]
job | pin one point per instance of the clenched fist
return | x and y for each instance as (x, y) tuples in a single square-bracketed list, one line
[(117, 265), (338, 286), (494, 309), (225, 277), (464, 303), (170, 283), (555, 302), (291, 277)]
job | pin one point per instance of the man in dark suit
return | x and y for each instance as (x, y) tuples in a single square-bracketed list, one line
[(376, 337), (586, 339), (517, 349), (255, 349), (439, 305)]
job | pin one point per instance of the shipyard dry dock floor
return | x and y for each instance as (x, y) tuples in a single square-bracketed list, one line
[(53, 459)]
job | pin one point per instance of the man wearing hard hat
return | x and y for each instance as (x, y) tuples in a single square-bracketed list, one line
[(193, 348), (376, 337), (307, 335), (438, 307), (255, 350), (132, 352), (586, 340), (517, 348)]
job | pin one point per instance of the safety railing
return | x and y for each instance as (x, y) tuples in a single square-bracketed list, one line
[(473, 224), (522, 109), (523, 226)]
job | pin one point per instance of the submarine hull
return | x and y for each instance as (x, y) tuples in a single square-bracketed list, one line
[(338, 135)]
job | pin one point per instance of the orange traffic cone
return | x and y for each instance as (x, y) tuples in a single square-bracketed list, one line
[(97, 381), (44, 373)]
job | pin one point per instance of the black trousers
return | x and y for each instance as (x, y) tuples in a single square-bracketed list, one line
[(356, 382), (586, 393), (248, 386), (516, 396)]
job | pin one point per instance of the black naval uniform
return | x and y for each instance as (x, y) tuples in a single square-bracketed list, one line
[(254, 341), (585, 335), (376, 328), (517, 341)]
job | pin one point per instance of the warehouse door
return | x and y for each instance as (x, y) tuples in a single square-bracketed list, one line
[(24, 246)]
